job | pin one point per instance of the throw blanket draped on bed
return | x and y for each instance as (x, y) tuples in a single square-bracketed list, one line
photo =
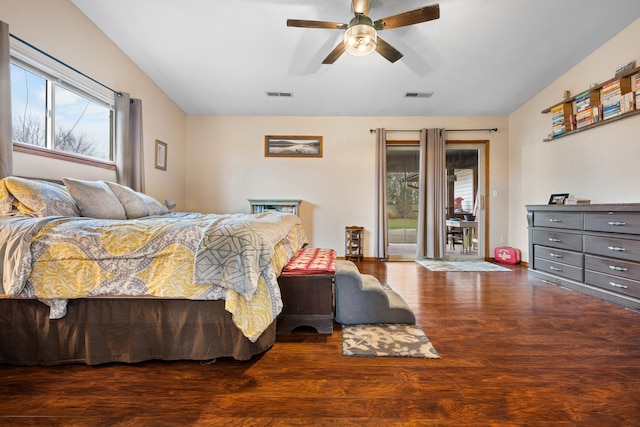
[(234, 257)]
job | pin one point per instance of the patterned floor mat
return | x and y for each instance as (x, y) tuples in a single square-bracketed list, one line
[(435, 265), (386, 340)]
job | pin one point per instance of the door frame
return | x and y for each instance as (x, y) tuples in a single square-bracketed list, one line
[(483, 203)]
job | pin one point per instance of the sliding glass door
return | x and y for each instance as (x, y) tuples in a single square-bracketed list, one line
[(465, 195), (403, 177), (465, 187)]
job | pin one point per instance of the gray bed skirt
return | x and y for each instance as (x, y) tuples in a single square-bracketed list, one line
[(96, 331)]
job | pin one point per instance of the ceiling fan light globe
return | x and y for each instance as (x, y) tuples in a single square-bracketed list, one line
[(360, 40)]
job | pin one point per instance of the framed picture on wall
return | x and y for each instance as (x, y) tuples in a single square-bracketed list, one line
[(558, 199), (292, 146), (161, 155)]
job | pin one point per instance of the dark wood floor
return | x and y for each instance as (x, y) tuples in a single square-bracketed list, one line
[(515, 351)]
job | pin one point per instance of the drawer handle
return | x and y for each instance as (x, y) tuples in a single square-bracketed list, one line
[(554, 220), (616, 248), (616, 268), (616, 223), (555, 255), (554, 240), (555, 268), (618, 285)]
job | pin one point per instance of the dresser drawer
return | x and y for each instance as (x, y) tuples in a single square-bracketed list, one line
[(570, 220), (626, 223), (613, 283), (556, 239), (612, 247), (614, 267), (558, 255), (559, 269)]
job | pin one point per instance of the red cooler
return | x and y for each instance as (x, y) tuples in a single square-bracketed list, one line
[(507, 255)]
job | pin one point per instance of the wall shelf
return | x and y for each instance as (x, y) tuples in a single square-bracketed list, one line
[(568, 103), (277, 205), (594, 125)]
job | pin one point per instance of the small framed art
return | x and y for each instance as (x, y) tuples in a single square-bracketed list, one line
[(558, 199), (292, 146), (161, 155)]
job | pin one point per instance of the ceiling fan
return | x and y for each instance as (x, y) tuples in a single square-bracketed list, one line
[(361, 35)]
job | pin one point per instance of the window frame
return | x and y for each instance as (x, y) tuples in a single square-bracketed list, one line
[(69, 79)]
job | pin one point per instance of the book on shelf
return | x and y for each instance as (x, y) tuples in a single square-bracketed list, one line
[(612, 109), (635, 82), (620, 86), (561, 120), (586, 100), (576, 201), (584, 121), (628, 102)]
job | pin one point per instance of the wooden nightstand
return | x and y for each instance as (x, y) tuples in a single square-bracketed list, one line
[(308, 301)]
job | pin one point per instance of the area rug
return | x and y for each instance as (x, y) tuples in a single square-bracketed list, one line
[(386, 340), (435, 265)]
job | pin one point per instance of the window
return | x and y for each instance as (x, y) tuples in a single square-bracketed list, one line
[(58, 112), (28, 106)]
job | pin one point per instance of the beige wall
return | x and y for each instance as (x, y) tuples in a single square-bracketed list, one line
[(601, 164), (58, 28), (227, 166)]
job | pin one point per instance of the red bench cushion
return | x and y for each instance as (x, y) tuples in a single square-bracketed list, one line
[(311, 261)]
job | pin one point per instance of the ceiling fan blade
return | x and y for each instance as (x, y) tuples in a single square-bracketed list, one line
[(301, 23), (335, 54), (411, 17), (389, 52), (361, 6)]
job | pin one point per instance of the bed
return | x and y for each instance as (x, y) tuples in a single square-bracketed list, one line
[(94, 272)]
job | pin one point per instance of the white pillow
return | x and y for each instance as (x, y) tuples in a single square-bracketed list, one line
[(40, 198), (95, 199), (156, 207), (133, 204)]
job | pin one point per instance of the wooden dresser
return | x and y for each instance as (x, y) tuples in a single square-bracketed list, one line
[(594, 249)]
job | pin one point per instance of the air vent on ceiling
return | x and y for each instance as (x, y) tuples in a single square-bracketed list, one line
[(280, 94), (418, 95)]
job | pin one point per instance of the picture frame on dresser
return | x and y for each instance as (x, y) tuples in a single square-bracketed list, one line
[(558, 199)]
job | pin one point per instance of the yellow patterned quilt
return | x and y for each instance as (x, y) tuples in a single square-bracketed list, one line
[(235, 257)]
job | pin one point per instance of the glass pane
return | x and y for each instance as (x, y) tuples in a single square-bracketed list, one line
[(463, 238), (82, 126), (28, 106), (462, 181), (402, 196)]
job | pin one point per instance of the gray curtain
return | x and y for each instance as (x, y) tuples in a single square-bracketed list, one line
[(129, 142), (431, 216), (382, 241), (6, 138)]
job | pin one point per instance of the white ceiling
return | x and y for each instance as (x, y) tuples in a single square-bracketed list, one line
[(482, 57)]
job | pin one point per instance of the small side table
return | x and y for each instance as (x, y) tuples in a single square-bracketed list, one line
[(353, 241)]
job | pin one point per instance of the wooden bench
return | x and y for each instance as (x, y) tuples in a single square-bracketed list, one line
[(306, 285)]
